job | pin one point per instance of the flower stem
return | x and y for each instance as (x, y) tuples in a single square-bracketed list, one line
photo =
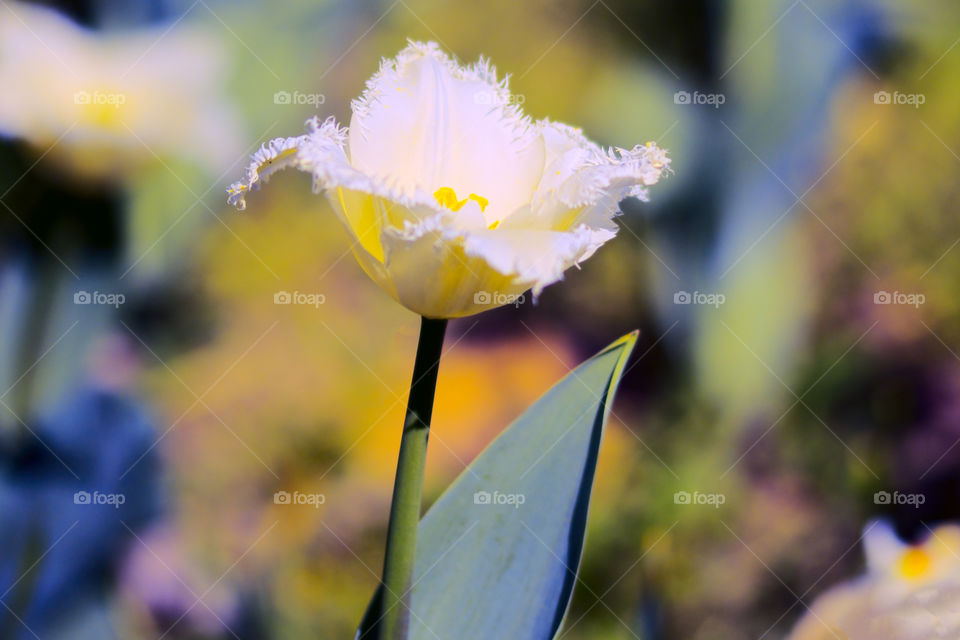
[(407, 489)]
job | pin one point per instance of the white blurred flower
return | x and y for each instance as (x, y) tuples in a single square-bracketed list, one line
[(457, 202), (909, 592), (109, 102)]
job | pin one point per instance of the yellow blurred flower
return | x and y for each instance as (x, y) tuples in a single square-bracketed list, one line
[(107, 103), (457, 202), (909, 592)]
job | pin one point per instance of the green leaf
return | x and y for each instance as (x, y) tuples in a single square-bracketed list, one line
[(497, 554)]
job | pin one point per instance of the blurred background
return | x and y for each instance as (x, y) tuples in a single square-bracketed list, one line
[(794, 282)]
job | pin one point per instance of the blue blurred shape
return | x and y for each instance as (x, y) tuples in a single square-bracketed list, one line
[(72, 494)]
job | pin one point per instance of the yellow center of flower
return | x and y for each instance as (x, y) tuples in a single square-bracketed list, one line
[(915, 563), (101, 108), (447, 197)]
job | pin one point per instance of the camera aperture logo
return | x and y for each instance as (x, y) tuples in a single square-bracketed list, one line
[(497, 498), (497, 299), (898, 297), (699, 498), (296, 498), (298, 97), (712, 99), (98, 98), (911, 99), (99, 297), (698, 297), (494, 98), (310, 299), (97, 498), (896, 498)]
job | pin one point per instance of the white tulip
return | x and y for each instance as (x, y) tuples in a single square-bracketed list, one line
[(107, 103), (456, 200)]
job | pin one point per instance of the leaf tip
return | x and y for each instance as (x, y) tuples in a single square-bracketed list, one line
[(626, 343)]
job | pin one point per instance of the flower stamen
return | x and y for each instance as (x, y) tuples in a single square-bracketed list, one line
[(915, 563), (480, 200), (447, 197)]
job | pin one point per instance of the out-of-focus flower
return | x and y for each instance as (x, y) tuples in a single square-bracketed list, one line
[(109, 102), (457, 202), (910, 592), (158, 574), (71, 497)]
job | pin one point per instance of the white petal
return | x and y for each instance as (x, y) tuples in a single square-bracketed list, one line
[(535, 257), (882, 546), (321, 152), (272, 156), (431, 274), (527, 258), (426, 123), (581, 175)]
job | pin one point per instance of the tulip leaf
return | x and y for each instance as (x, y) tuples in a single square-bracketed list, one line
[(498, 552)]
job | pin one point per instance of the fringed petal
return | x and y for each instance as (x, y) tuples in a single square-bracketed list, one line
[(581, 175), (427, 122), (272, 156)]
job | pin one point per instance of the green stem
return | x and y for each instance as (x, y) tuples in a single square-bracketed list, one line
[(37, 312), (407, 489)]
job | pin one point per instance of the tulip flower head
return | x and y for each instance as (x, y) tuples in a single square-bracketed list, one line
[(104, 104), (909, 591), (456, 201)]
